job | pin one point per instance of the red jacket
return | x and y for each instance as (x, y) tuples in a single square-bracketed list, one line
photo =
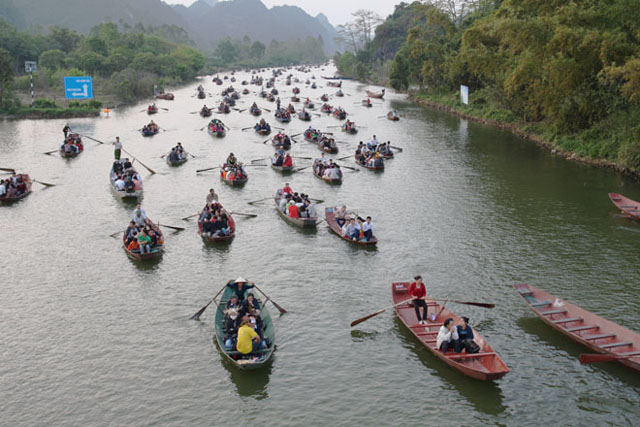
[(417, 291), (288, 161)]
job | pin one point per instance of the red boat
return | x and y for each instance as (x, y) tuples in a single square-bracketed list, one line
[(379, 95), (626, 205), (598, 334), (156, 251), (12, 194), (330, 217), (484, 365), (166, 96), (217, 239), (152, 109)]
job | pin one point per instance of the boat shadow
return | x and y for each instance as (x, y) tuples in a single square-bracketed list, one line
[(536, 327), (248, 383), (485, 396)]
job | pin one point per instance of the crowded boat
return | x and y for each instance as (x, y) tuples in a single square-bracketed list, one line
[(325, 169), (72, 145), (349, 127), (177, 155), (142, 239), (150, 129), (15, 187), (215, 223), (217, 128), (262, 127), (233, 172), (126, 182), (281, 140)]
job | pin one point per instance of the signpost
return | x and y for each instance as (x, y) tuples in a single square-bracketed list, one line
[(30, 67), (464, 94), (78, 88)]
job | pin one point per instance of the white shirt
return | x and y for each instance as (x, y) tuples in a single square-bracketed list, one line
[(119, 185), (117, 145), (367, 226), (334, 173), (3, 190), (139, 220), (311, 209), (445, 335)]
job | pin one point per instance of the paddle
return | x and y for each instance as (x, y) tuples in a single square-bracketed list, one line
[(44, 183), (297, 134), (259, 160), (267, 110), (143, 165), (255, 166), (48, 153), (265, 141), (165, 109), (349, 167), (344, 158), (116, 233), (280, 309), (199, 313), (7, 170), (305, 158), (275, 127), (190, 216), (300, 169), (316, 200), (250, 127), (172, 227), (207, 169), (93, 139), (369, 316), (477, 304), (256, 201), (397, 148), (599, 358), (244, 214)]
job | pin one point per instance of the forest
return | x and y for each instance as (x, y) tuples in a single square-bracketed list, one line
[(568, 71)]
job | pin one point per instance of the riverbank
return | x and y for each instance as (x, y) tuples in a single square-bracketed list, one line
[(608, 144)]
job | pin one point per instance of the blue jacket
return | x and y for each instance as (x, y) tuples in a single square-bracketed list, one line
[(465, 333)]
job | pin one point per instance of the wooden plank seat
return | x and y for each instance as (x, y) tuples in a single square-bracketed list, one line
[(552, 312), (568, 320), (616, 344), (599, 336), (540, 303), (469, 355), (582, 328)]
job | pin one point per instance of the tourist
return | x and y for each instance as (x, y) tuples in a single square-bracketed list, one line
[(117, 148), (248, 339), (212, 196), (367, 230), (465, 335), (448, 337), (418, 292)]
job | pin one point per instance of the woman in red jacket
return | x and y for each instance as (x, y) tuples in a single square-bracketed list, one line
[(419, 293)]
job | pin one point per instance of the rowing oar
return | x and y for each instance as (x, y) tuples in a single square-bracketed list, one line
[(297, 134), (172, 227), (397, 148), (44, 183), (275, 127), (165, 109), (369, 316), (258, 160), (344, 158), (305, 158), (265, 141), (301, 169), (244, 214), (316, 200), (190, 216), (145, 166), (280, 309), (7, 170), (599, 358), (256, 201), (207, 169), (199, 313), (93, 139), (477, 304), (48, 153), (247, 128), (256, 166), (116, 233), (349, 167)]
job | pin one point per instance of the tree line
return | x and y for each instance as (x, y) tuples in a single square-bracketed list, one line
[(569, 69)]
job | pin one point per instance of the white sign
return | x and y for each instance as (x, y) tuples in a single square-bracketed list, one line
[(464, 94), (30, 66)]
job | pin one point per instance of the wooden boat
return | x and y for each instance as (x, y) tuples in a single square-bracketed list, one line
[(125, 195), (330, 217), (376, 95), (245, 91), (283, 116), (295, 99), (261, 131), (309, 105), (332, 148), (391, 117), (598, 334), (282, 169), (324, 98), (201, 94), (76, 142), (11, 195), (234, 182), (255, 111), (156, 251), (216, 129), (224, 109), (334, 181), (339, 114), (281, 143), (205, 112), (326, 108), (218, 239), (379, 168), (351, 130), (304, 116), (313, 85), (627, 206), (176, 163), (149, 131), (152, 109), (298, 222), (367, 103), (271, 97), (484, 365), (253, 360), (334, 84), (339, 94), (166, 96), (312, 135), (296, 90)]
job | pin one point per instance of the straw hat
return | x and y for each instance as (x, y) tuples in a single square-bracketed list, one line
[(241, 280)]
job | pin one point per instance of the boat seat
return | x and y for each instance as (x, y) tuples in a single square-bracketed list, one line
[(427, 333), (428, 325), (568, 319), (540, 304), (616, 344), (469, 355), (582, 328), (525, 292), (551, 312), (628, 207), (599, 336)]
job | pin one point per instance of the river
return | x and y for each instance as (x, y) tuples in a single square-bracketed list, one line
[(90, 337)]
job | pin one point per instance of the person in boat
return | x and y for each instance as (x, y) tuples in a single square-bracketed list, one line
[(284, 203), (367, 229), (278, 103), (232, 160), (231, 325), (465, 335), (66, 129), (418, 292), (174, 157), (240, 286), (288, 161), (144, 241), (371, 145), (278, 159), (132, 243), (348, 125), (3, 188), (117, 148), (340, 214), (448, 337), (248, 339), (132, 228), (212, 196), (394, 114), (351, 230), (129, 185), (139, 217), (205, 109)]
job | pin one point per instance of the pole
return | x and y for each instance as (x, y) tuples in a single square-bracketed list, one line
[(31, 79)]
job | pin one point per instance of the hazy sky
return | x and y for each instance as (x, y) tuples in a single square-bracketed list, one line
[(338, 11)]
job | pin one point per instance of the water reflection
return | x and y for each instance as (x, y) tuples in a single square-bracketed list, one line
[(249, 383), (485, 396)]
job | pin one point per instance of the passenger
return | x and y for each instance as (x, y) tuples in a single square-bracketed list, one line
[(144, 241), (465, 335), (448, 337), (286, 189), (133, 245), (352, 231), (230, 327), (248, 339), (231, 160), (367, 230), (418, 291), (340, 215), (288, 161), (293, 211)]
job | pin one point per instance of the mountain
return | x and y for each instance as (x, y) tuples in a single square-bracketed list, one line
[(206, 21)]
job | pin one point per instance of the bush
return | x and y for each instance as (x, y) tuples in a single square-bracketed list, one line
[(92, 104), (44, 103)]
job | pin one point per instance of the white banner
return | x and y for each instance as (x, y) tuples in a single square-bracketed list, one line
[(464, 94)]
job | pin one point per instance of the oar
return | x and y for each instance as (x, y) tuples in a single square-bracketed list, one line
[(256, 201), (259, 160), (267, 110), (397, 148), (301, 169), (344, 158), (172, 227), (369, 316), (192, 155), (48, 153), (305, 158), (165, 109), (7, 169), (265, 141), (199, 313), (151, 171), (477, 304), (44, 183), (190, 216), (207, 169), (93, 139), (316, 200), (255, 166), (244, 214), (297, 134), (116, 233), (250, 127), (349, 167), (599, 358), (280, 309), (275, 127)]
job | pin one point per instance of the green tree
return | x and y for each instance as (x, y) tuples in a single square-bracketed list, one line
[(257, 50), (6, 76), (227, 51), (52, 59)]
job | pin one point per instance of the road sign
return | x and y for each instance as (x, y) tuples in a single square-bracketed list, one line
[(30, 66), (78, 88)]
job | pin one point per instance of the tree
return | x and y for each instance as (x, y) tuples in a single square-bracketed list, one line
[(350, 35), (365, 23), (52, 59), (6, 75), (64, 39), (258, 49), (227, 51)]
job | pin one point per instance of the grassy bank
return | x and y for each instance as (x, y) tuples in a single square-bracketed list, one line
[(47, 109), (612, 142)]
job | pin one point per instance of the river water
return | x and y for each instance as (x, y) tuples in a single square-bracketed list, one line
[(92, 338)]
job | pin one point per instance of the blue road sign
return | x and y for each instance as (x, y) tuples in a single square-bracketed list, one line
[(78, 88)]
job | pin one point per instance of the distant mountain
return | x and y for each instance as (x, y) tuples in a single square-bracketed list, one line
[(206, 21)]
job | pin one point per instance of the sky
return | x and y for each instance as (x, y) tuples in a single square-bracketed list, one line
[(338, 11)]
